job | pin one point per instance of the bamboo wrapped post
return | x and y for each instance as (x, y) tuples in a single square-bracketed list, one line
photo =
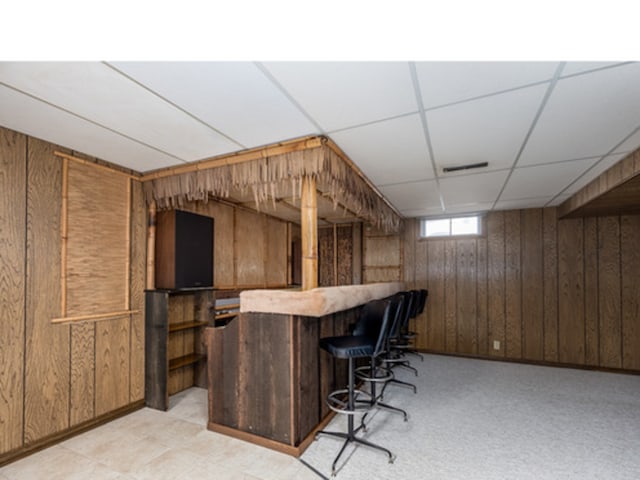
[(309, 230), (151, 247)]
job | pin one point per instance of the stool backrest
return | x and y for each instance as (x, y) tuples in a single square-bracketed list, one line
[(405, 314), (374, 322), (421, 300)]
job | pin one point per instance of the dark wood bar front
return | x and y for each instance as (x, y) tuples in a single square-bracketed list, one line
[(268, 378)]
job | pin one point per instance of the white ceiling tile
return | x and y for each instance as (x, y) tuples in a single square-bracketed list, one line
[(571, 68), (490, 130), (586, 116), (473, 207), (447, 82), (422, 212), (543, 180), (32, 117), (344, 94), (412, 196), (472, 189), (236, 98), (392, 151), (96, 92), (597, 169), (521, 203)]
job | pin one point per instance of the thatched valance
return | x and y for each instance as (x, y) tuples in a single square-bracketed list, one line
[(270, 176)]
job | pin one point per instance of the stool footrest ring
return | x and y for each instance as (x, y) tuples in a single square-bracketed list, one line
[(337, 402)]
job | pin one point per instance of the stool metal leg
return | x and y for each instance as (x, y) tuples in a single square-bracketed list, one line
[(350, 435)]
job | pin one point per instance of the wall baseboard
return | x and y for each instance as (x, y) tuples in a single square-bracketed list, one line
[(540, 363), (58, 437)]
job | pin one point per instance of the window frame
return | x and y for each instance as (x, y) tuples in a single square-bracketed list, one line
[(481, 228)]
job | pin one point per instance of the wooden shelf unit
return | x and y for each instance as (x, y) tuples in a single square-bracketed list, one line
[(175, 353)]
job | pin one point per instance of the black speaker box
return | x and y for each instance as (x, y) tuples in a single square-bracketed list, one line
[(184, 250)]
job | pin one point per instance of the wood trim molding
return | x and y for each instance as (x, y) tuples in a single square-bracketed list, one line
[(616, 176), (238, 157), (50, 440)]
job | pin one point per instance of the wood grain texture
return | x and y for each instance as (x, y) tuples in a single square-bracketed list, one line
[(47, 346), (382, 251), (82, 373), (436, 303), (630, 260), (553, 274), (532, 285), (513, 283), (466, 291), (571, 291), (112, 364), (223, 238), (482, 296), (450, 296), (276, 261), (550, 255), (250, 242), (421, 325), (13, 184), (591, 300), (609, 288), (496, 284), (409, 238), (138, 271)]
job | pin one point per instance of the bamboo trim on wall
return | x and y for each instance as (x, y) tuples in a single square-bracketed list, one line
[(96, 316), (69, 304), (64, 215), (95, 165)]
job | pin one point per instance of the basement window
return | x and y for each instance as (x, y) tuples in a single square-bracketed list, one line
[(450, 227)]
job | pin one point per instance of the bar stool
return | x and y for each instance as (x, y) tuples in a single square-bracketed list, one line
[(377, 373), (394, 357), (405, 339), (367, 341)]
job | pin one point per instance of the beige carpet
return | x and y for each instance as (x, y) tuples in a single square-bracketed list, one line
[(475, 419)]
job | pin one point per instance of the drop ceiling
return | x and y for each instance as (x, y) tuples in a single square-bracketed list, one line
[(545, 128)]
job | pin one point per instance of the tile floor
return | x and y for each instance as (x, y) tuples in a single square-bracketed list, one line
[(154, 445)]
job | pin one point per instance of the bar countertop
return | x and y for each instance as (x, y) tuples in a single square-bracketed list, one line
[(316, 302)]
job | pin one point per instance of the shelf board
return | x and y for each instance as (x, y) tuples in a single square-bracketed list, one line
[(226, 315), (186, 325), (231, 306), (190, 359)]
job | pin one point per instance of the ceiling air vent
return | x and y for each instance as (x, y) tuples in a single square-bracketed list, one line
[(465, 167)]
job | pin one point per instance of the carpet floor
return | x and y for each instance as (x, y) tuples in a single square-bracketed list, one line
[(476, 419)]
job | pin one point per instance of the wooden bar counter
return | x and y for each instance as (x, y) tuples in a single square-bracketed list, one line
[(267, 376)]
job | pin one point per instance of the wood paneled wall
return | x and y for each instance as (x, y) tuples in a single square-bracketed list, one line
[(56, 377), (339, 255), (382, 256), (547, 290), (250, 249)]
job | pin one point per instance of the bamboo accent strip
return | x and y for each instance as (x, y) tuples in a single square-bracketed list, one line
[(127, 265), (238, 157), (96, 316), (309, 228), (151, 247), (64, 234), (96, 165)]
